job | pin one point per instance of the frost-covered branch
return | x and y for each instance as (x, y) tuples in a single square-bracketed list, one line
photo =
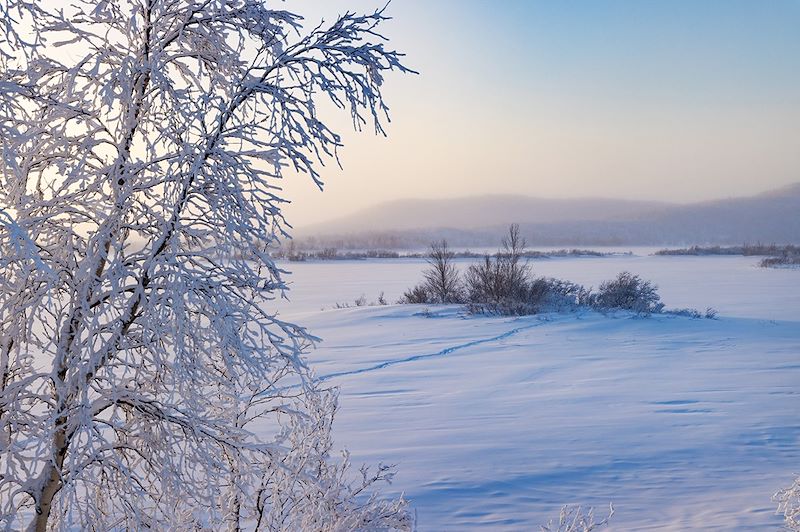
[(788, 500), (144, 143)]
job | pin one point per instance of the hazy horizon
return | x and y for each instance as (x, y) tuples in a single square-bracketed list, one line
[(679, 102), (394, 201)]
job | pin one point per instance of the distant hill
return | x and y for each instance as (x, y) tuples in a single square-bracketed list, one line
[(773, 216), (480, 212)]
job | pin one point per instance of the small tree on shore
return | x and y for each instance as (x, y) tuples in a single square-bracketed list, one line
[(442, 280), (512, 261), (503, 277)]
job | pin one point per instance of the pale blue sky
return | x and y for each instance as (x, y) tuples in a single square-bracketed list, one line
[(677, 100)]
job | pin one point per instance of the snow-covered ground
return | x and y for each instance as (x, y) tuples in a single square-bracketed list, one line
[(495, 422)]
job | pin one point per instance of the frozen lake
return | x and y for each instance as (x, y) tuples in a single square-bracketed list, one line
[(735, 286), (495, 422)]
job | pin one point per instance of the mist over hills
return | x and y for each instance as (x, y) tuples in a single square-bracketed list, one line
[(482, 211), (770, 217)]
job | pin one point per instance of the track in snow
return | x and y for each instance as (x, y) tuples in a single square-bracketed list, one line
[(441, 353)]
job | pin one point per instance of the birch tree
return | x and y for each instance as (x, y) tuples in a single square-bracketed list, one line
[(144, 381)]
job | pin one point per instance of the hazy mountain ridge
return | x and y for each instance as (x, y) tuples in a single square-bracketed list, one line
[(481, 211), (773, 216)]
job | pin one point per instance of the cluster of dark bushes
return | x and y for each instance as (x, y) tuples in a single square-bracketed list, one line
[(745, 249), (782, 261), (503, 284)]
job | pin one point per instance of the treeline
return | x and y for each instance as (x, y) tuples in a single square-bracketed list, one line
[(503, 283), (332, 254), (777, 256), (294, 255), (744, 249)]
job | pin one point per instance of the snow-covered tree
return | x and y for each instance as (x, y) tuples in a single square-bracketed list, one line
[(144, 383)]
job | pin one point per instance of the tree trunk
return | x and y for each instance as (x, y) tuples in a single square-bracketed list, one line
[(50, 483)]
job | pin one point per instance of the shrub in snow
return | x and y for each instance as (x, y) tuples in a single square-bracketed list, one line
[(442, 280), (628, 292), (482, 282), (501, 281), (710, 313), (361, 302), (788, 500), (556, 295), (535, 296), (574, 519), (786, 261), (417, 295), (309, 489), (502, 284)]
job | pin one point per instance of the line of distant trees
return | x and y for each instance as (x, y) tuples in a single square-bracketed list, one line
[(778, 256), (294, 254), (745, 250)]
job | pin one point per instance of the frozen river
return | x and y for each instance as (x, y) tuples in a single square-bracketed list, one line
[(735, 286)]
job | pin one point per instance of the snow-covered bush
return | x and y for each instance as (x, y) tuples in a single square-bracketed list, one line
[(574, 519), (310, 489), (628, 292), (555, 295), (533, 296), (788, 500)]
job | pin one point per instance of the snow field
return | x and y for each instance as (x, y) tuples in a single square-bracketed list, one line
[(684, 424)]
